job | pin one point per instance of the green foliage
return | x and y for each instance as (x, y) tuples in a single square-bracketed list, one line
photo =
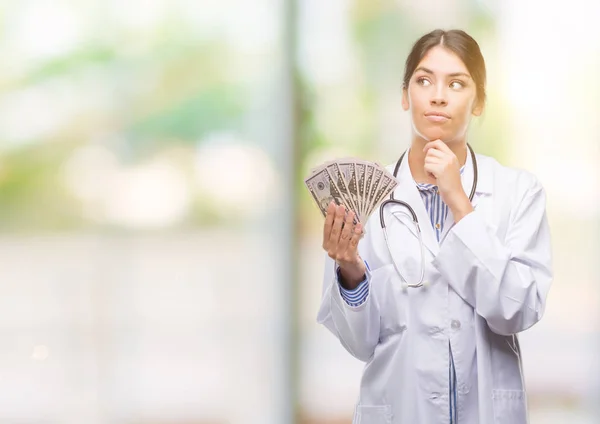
[(31, 193), (69, 64), (210, 109)]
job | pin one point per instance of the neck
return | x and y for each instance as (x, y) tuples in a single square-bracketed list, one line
[(416, 158)]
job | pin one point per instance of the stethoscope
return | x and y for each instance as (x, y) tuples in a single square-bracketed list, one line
[(413, 215)]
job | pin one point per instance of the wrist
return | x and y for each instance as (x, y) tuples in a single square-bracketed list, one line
[(461, 207), (351, 275)]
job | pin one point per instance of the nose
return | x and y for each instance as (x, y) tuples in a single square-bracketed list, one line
[(439, 100), (439, 97)]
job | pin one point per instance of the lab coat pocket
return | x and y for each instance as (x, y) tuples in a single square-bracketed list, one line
[(510, 406), (373, 414)]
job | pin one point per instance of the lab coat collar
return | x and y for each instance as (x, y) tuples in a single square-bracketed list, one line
[(484, 175)]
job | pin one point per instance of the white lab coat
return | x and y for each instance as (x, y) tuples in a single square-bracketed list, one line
[(488, 280)]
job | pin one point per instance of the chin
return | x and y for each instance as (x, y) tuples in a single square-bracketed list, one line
[(435, 133)]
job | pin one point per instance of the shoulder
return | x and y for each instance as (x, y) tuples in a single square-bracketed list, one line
[(513, 182)]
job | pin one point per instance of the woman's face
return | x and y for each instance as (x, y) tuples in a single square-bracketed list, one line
[(441, 97)]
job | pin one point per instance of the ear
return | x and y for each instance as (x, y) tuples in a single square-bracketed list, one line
[(405, 103), (478, 109)]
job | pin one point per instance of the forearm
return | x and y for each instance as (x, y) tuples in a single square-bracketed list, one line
[(355, 324), (460, 206), (505, 285)]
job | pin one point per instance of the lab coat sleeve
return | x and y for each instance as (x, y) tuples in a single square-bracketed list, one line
[(505, 281), (356, 327)]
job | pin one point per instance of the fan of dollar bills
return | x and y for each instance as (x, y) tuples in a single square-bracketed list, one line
[(358, 185)]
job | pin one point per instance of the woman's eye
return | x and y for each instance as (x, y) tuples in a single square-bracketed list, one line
[(423, 81), (457, 85)]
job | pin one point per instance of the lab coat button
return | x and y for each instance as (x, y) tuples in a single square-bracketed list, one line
[(455, 324), (434, 395)]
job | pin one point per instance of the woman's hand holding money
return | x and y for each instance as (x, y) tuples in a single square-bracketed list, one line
[(340, 240)]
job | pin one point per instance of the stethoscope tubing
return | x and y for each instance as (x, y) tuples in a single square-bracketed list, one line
[(413, 215)]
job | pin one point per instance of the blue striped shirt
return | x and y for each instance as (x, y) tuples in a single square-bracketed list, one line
[(437, 211)]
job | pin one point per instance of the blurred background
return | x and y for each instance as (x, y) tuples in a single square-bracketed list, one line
[(160, 257)]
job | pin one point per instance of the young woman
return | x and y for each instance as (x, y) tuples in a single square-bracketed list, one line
[(437, 322)]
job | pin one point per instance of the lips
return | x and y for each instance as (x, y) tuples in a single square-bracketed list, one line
[(438, 117), (439, 114)]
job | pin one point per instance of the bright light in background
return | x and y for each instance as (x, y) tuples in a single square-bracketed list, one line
[(36, 111), (235, 175), (326, 51), (320, 156), (134, 24), (545, 62), (548, 63), (45, 29), (155, 194), (40, 353), (152, 194), (90, 173), (257, 20), (31, 114), (580, 199), (548, 71), (140, 15)]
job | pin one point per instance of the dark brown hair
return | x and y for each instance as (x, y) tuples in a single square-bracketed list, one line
[(458, 42)]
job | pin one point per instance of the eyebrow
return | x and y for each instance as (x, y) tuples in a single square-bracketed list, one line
[(454, 74)]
